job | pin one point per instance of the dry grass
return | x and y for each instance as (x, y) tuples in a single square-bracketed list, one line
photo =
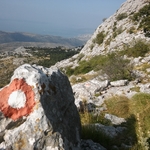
[(119, 106), (136, 112), (6, 71)]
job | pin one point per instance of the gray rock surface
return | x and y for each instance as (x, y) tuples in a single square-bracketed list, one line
[(90, 145), (110, 131), (85, 92), (114, 119), (119, 83)]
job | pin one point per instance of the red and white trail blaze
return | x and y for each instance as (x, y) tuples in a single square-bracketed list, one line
[(17, 99)]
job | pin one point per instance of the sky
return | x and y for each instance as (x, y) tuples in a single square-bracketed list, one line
[(66, 18)]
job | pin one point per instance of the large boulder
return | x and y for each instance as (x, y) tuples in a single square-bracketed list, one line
[(37, 111), (86, 90)]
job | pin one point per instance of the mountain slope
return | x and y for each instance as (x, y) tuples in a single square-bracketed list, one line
[(110, 78), (116, 32)]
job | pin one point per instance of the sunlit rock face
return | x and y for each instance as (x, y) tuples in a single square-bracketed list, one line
[(37, 111)]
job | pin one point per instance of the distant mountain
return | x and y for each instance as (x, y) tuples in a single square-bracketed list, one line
[(8, 37), (84, 37)]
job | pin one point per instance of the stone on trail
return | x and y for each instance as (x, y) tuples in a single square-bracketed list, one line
[(37, 111)]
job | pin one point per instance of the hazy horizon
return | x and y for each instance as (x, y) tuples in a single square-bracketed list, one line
[(59, 18)]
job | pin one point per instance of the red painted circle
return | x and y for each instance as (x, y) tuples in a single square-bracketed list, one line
[(14, 113)]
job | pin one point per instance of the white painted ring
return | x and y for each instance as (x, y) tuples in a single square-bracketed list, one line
[(17, 99)]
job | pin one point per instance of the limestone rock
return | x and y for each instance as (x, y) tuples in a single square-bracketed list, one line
[(114, 119), (119, 83), (145, 88), (84, 92), (37, 111)]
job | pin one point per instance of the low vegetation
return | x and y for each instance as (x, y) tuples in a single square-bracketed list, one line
[(117, 31), (113, 65), (119, 106), (135, 112), (99, 38), (91, 132), (132, 30), (50, 56), (6, 70), (143, 17), (121, 16), (138, 48)]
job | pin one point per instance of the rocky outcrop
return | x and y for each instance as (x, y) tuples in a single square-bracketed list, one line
[(37, 111), (114, 119), (85, 94)]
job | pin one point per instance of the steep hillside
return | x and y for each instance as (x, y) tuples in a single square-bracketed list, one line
[(110, 78), (118, 31)]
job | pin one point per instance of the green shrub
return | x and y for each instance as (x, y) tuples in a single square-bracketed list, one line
[(117, 31), (143, 16), (91, 46), (136, 89), (80, 56), (90, 118), (135, 111), (121, 16), (140, 48), (108, 41), (94, 63), (117, 68), (112, 64), (69, 71), (131, 30), (99, 38), (140, 102)]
